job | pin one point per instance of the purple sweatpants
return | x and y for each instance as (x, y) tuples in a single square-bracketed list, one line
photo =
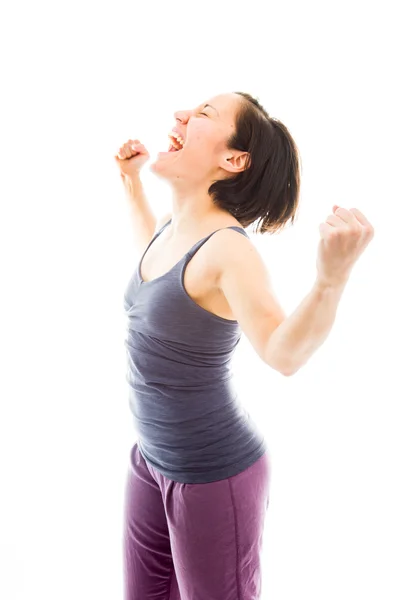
[(186, 541)]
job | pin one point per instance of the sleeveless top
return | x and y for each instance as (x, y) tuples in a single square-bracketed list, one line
[(191, 425)]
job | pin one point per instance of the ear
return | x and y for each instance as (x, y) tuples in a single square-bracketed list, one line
[(234, 161)]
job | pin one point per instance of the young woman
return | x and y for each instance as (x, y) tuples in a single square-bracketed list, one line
[(199, 476)]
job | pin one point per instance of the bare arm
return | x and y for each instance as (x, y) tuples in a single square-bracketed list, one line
[(142, 217), (344, 237), (296, 339), (286, 343)]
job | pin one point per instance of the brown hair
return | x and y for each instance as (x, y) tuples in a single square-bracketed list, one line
[(268, 189)]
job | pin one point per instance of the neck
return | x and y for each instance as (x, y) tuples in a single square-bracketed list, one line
[(192, 210)]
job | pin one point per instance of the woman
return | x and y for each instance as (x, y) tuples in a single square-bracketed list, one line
[(199, 476)]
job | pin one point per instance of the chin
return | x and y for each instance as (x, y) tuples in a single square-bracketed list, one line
[(155, 167), (161, 169)]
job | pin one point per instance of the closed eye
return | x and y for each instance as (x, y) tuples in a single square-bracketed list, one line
[(202, 113)]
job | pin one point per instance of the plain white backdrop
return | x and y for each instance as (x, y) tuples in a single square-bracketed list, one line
[(78, 80)]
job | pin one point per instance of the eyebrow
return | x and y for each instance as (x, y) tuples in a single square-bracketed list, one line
[(205, 106)]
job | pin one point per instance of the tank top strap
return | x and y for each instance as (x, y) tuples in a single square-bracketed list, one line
[(155, 236), (198, 244), (162, 228)]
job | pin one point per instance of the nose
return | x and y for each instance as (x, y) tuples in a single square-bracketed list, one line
[(182, 116)]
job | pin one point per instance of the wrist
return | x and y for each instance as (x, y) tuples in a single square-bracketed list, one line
[(132, 179), (133, 185), (326, 283)]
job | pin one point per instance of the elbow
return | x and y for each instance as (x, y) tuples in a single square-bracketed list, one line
[(282, 370), (287, 372), (280, 360), (279, 365), (292, 369), (285, 369)]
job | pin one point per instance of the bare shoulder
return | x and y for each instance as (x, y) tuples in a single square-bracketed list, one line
[(244, 280), (229, 246)]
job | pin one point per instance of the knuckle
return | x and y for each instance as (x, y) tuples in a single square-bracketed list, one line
[(355, 231)]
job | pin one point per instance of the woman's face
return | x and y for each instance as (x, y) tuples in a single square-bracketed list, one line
[(204, 156)]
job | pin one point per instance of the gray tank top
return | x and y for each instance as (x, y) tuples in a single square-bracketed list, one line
[(190, 422)]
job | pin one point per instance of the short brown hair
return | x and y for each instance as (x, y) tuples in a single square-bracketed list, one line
[(268, 189)]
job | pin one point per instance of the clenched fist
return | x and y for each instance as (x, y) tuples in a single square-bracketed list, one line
[(131, 158), (344, 237)]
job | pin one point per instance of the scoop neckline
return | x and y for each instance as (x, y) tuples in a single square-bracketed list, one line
[(142, 281)]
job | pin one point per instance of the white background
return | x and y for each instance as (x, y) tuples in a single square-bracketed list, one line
[(78, 80)]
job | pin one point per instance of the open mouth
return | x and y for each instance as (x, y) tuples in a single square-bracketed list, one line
[(176, 142)]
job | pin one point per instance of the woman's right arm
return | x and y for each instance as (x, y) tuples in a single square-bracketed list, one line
[(145, 224), (142, 218), (130, 159)]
